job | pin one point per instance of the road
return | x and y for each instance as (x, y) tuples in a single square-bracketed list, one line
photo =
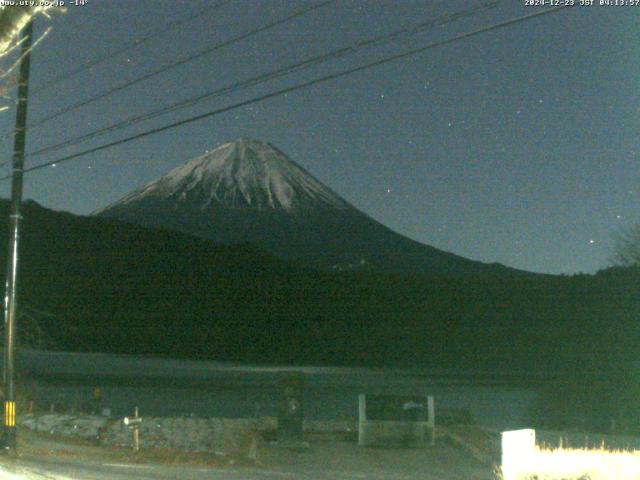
[(66, 470), (44, 458), (63, 469)]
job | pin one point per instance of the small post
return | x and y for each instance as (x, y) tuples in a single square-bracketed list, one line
[(134, 426), (97, 398), (362, 418), (431, 412), (136, 433)]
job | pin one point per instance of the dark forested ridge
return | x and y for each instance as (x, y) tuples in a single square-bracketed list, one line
[(95, 284)]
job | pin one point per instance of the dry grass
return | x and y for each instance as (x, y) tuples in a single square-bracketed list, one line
[(576, 464)]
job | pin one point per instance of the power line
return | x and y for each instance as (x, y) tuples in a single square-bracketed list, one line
[(286, 70), (178, 63), (294, 88), (161, 30)]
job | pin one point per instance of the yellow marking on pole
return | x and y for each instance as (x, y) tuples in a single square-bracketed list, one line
[(10, 414)]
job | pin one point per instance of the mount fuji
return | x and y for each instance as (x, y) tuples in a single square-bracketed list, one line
[(248, 191)]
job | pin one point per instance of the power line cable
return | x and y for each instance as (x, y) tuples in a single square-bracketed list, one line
[(136, 42), (294, 88), (286, 70), (178, 63)]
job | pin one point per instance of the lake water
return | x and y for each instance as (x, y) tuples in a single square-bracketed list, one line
[(161, 387)]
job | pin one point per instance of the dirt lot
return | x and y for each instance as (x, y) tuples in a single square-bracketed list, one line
[(346, 460)]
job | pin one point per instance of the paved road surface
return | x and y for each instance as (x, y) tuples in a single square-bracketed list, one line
[(53, 460), (60, 469)]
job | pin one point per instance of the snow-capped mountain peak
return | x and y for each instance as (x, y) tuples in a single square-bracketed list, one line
[(244, 174), (248, 191)]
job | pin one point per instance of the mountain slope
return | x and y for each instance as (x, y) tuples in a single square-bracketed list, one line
[(249, 191)]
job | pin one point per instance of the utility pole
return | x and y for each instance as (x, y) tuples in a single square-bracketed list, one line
[(10, 299)]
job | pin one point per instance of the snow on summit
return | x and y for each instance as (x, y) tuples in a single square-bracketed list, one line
[(241, 174)]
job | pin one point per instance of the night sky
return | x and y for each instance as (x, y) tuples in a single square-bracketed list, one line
[(519, 145)]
